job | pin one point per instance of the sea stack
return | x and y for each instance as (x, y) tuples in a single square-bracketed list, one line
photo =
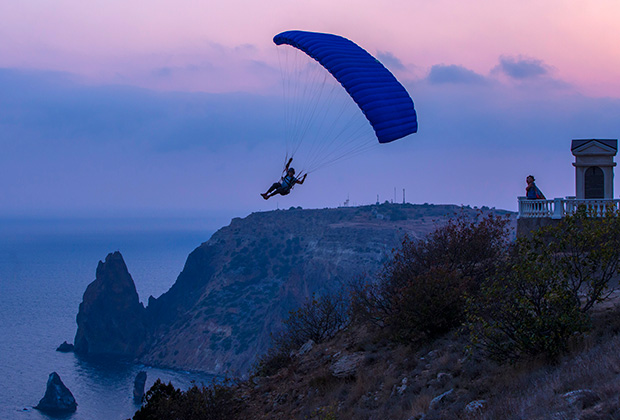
[(138, 387), (57, 398), (65, 347), (111, 319)]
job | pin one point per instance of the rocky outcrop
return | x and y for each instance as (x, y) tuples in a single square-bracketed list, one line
[(441, 399), (111, 319), (346, 366), (138, 387), (57, 399), (582, 398), (304, 349), (475, 407), (65, 347)]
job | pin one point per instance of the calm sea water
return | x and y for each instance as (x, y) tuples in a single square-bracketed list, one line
[(45, 267)]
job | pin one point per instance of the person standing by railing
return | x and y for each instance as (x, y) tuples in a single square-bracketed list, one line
[(531, 191)]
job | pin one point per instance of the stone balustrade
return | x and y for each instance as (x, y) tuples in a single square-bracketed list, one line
[(557, 208)]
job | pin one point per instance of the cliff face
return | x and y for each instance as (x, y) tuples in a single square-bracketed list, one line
[(111, 319), (236, 288)]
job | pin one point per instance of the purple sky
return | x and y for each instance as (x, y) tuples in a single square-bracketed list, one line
[(175, 108)]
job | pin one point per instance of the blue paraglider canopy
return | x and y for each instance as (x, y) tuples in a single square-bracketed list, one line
[(383, 100)]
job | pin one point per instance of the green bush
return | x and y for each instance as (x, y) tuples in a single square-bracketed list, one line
[(542, 296), (585, 250), (527, 310)]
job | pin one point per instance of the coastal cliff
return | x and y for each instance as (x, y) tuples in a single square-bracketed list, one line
[(236, 288)]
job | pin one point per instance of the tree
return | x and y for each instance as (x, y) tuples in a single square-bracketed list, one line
[(526, 309), (214, 402), (585, 250), (542, 296)]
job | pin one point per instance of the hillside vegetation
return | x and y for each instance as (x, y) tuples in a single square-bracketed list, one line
[(463, 323)]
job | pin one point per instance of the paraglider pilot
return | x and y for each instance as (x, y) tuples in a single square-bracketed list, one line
[(287, 182)]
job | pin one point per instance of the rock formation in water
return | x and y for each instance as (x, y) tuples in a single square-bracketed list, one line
[(57, 399), (65, 347), (236, 288), (138, 387), (111, 319)]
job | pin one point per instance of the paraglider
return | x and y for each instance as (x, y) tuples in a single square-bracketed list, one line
[(313, 80), (383, 100), (287, 182)]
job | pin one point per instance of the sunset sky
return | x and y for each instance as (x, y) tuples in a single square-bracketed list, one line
[(160, 107)]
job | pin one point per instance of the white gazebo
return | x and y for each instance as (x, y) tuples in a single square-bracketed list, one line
[(594, 168), (594, 184)]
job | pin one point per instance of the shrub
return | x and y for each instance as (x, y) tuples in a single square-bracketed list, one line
[(164, 402), (421, 290), (585, 250), (527, 310), (433, 303), (469, 247), (276, 358), (160, 402), (318, 319), (544, 294)]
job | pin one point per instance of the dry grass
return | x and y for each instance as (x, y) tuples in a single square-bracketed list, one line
[(529, 390)]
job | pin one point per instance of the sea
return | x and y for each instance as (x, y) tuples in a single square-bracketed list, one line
[(45, 266)]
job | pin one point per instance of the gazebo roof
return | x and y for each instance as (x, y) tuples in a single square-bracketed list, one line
[(613, 143)]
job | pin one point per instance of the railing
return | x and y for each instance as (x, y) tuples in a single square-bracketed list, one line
[(560, 207)]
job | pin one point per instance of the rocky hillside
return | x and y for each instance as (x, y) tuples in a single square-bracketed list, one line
[(358, 375), (237, 287)]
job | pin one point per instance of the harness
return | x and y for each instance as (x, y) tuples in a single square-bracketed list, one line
[(288, 181)]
